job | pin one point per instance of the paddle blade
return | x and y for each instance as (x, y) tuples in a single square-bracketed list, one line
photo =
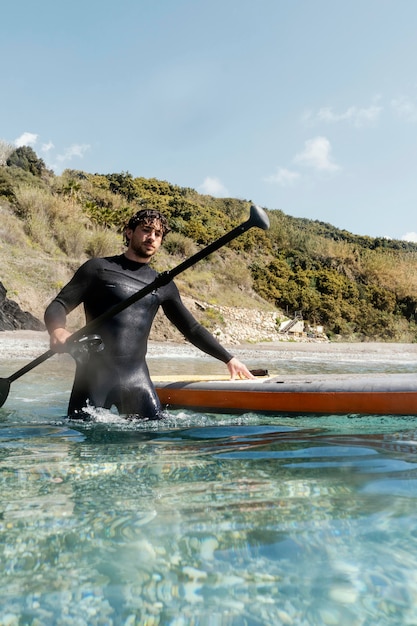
[(258, 217), (4, 390)]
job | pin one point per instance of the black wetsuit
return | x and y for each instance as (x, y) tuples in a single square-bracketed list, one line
[(118, 375)]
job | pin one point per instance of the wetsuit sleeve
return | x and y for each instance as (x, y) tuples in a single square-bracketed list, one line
[(69, 297), (192, 330), (55, 316)]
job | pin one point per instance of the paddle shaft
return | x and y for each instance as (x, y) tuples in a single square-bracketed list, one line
[(257, 218)]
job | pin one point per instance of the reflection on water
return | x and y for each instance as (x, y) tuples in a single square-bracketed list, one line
[(204, 519)]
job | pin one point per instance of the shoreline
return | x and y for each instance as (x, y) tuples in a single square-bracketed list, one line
[(30, 343)]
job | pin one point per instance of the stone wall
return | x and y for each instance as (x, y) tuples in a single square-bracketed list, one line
[(236, 325), (245, 326)]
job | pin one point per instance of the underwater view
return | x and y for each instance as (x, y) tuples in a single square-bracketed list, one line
[(205, 519)]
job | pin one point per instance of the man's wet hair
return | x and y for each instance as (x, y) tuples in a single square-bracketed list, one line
[(146, 217)]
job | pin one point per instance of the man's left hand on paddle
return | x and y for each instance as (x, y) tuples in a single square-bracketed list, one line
[(58, 340)]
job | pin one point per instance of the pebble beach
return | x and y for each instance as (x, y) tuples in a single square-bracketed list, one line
[(21, 344)]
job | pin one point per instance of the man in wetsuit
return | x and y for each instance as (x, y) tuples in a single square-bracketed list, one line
[(118, 375)]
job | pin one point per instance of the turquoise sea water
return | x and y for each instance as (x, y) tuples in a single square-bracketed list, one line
[(206, 519)]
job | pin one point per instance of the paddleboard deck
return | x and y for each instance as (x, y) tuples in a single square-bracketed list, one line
[(367, 394)]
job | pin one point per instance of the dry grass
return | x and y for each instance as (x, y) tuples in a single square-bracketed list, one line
[(395, 271)]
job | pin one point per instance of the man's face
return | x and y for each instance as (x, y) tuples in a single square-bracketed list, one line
[(145, 240)]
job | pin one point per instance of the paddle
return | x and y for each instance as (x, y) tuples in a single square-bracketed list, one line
[(257, 217)]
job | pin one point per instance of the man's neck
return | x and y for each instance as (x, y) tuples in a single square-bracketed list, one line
[(129, 254)]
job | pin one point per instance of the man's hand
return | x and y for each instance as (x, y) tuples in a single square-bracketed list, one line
[(238, 369), (58, 338)]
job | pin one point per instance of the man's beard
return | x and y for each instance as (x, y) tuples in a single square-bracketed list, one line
[(143, 250)]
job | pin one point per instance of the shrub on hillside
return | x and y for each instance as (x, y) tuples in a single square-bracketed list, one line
[(103, 242), (6, 185), (52, 221), (179, 245), (26, 159)]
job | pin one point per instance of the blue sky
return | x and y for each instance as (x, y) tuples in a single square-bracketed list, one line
[(308, 106)]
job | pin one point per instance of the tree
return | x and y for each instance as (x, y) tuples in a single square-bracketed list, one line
[(123, 184), (26, 158)]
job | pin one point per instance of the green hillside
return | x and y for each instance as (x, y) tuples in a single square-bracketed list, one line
[(359, 288)]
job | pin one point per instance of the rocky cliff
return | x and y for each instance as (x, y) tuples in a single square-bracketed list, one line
[(13, 318)]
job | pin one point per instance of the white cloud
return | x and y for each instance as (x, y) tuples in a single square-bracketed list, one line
[(213, 187), (405, 108), (55, 162), (358, 117), (317, 154), (76, 150), (410, 237), (353, 115), (26, 139), (47, 147), (283, 177)]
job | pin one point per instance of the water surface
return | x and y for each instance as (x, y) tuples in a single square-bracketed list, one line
[(204, 518)]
